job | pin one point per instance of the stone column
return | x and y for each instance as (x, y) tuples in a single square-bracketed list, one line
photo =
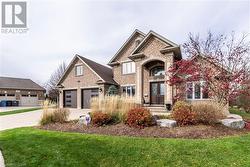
[(79, 98), (60, 100), (168, 89), (139, 83)]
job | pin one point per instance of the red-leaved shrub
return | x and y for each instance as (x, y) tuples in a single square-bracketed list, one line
[(100, 119), (183, 114), (139, 117)]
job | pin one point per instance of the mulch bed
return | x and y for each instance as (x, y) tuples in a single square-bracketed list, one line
[(189, 132)]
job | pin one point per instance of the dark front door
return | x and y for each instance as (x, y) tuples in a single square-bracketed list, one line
[(70, 99), (157, 92), (87, 94)]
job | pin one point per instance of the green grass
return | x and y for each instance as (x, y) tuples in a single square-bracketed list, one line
[(34, 147), (245, 116), (19, 111)]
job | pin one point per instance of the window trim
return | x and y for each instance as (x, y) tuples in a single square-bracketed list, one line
[(78, 65), (193, 91), (126, 62)]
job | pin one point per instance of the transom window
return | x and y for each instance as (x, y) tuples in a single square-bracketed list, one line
[(128, 90), (157, 71), (196, 90), (128, 67), (78, 70)]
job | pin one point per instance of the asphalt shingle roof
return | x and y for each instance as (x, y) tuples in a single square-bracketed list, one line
[(19, 83), (104, 72)]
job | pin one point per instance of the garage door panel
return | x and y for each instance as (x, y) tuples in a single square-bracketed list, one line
[(28, 101), (70, 98), (87, 94)]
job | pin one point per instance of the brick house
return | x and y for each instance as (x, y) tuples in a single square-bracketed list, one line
[(137, 69), (23, 92)]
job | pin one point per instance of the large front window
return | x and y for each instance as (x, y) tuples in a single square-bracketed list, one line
[(128, 67), (128, 90), (196, 90)]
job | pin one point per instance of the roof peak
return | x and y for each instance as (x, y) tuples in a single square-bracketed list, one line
[(126, 42)]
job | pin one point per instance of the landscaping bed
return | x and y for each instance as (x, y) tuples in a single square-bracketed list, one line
[(189, 132)]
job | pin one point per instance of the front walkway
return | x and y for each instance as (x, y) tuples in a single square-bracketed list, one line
[(30, 118)]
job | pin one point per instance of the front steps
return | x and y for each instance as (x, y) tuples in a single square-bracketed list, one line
[(157, 109)]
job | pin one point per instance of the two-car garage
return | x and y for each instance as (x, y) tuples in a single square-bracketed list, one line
[(70, 97)]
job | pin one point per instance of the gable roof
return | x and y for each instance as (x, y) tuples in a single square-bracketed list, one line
[(104, 73), (19, 83), (126, 43), (150, 34)]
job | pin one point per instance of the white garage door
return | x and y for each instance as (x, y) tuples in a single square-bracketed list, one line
[(29, 101), (7, 97)]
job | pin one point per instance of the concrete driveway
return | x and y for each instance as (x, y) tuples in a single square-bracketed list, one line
[(30, 118), (4, 109)]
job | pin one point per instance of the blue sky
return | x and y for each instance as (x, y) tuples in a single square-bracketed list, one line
[(59, 29)]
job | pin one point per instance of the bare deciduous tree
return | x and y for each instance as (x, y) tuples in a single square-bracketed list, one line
[(53, 81)]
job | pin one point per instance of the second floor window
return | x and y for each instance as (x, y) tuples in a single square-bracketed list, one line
[(128, 67), (78, 70)]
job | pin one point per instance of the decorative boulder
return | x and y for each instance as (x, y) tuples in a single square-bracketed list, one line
[(166, 123), (234, 116), (233, 123)]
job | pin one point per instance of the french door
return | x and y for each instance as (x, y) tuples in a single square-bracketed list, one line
[(157, 91)]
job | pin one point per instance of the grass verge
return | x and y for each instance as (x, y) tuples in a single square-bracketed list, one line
[(35, 147), (19, 111), (245, 116)]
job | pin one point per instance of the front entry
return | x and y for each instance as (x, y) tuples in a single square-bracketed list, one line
[(157, 92)]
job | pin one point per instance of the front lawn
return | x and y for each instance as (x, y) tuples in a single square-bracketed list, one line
[(34, 147), (19, 111), (245, 116)]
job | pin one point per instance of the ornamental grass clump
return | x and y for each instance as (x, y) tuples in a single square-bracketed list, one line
[(139, 118), (53, 115), (116, 106), (208, 112), (183, 114)]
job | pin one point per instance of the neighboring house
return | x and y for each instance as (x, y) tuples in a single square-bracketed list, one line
[(138, 69), (23, 91)]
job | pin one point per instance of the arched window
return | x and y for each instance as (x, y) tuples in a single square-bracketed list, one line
[(157, 71)]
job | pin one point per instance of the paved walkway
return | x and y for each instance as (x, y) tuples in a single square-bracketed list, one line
[(30, 118)]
